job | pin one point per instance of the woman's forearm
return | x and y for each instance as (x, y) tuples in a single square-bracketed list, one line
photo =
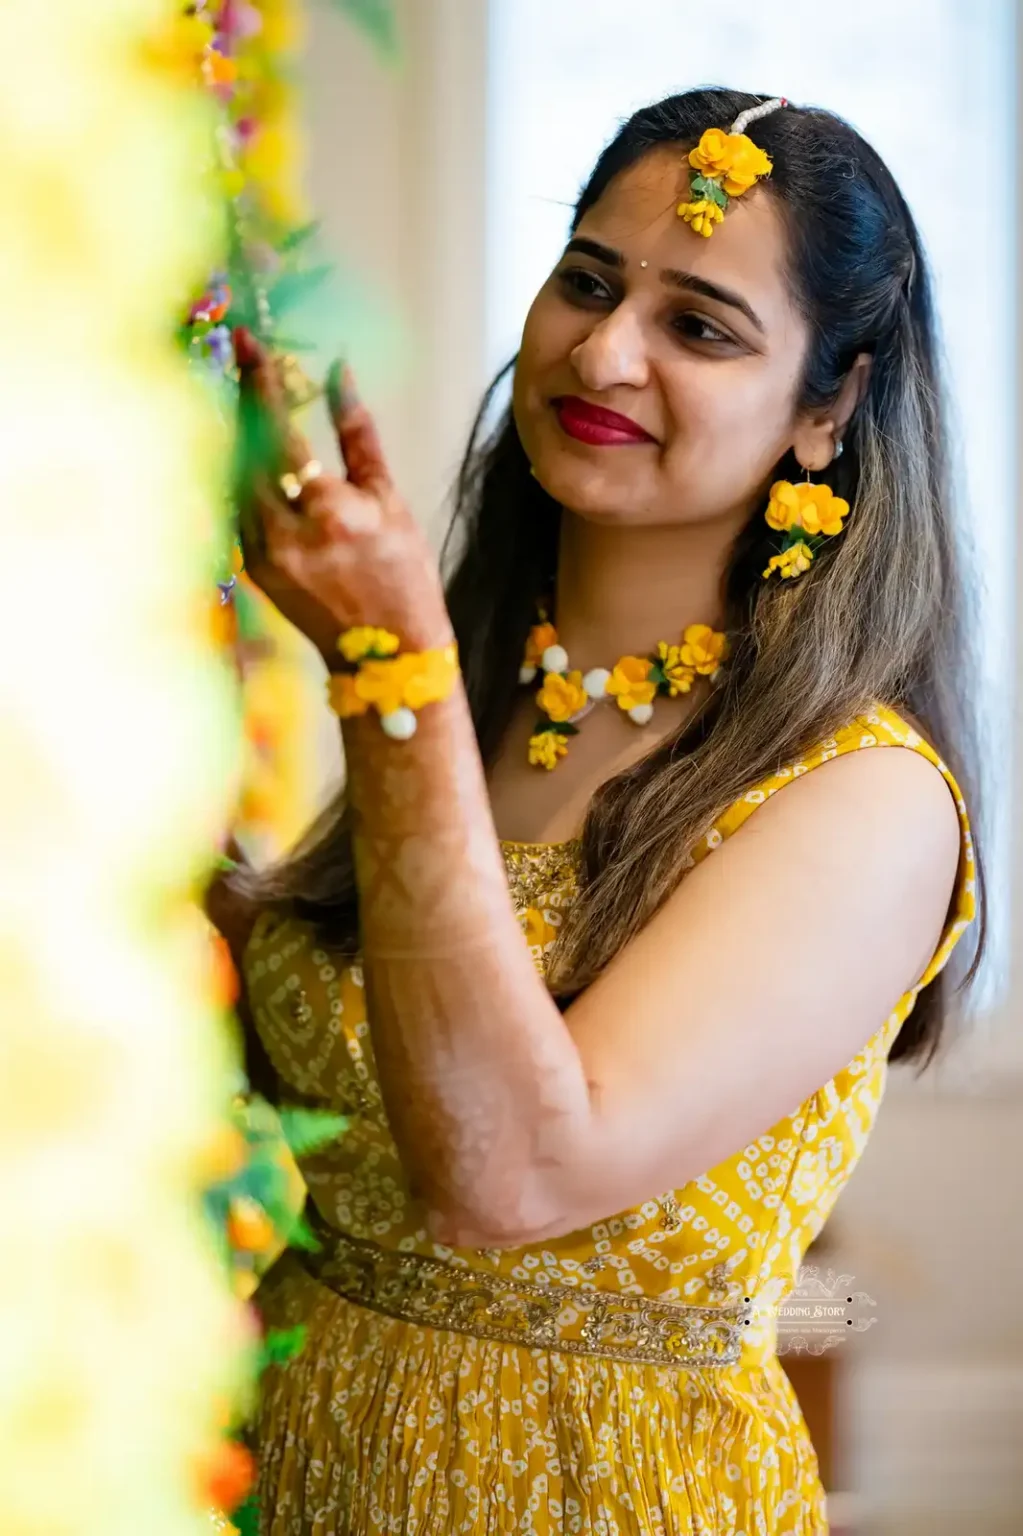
[(483, 1084)]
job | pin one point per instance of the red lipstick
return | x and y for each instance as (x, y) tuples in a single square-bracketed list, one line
[(596, 424)]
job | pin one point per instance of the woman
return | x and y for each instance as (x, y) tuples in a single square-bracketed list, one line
[(696, 1043)]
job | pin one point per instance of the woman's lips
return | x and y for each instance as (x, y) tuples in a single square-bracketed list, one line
[(595, 424)]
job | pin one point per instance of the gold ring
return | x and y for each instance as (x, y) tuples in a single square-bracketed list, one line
[(294, 484)]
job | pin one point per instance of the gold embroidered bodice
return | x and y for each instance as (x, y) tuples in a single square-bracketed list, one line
[(693, 1276)]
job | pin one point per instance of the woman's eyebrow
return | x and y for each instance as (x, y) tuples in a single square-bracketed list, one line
[(694, 284), (604, 253), (677, 279)]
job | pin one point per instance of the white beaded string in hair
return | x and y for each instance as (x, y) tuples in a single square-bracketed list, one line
[(752, 114)]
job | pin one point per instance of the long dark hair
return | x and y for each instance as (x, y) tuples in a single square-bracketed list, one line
[(881, 616)]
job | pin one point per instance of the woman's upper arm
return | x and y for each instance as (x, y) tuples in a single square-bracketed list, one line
[(767, 970)]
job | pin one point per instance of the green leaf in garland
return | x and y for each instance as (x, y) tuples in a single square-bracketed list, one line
[(656, 674), (250, 625), (293, 288), (564, 728), (310, 1130), (376, 18), (245, 1518), (301, 1235), (281, 1345), (299, 237), (706, 187)]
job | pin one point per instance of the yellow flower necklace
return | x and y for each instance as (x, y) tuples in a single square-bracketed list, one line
[(566, 696)]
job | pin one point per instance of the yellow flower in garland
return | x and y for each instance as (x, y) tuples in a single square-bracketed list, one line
[(365, 640), (382, 683), (181, 46), (701, 216), (822, 510), (731, 157), (703, 649), (545, 748), (432, 680), (631, 684), (814, 508), (791, 562), (397, 682), (562, 697), (749, 163), (345, 700), (783, 506), (680, 676), (713, 155)]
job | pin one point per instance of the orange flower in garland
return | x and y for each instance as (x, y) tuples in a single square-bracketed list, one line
[(226, 1477), (540, 637)]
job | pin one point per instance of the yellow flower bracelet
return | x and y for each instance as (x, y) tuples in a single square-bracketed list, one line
[(396, 686)]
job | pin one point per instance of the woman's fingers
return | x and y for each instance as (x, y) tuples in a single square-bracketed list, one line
[(357, 436), (282, 449)]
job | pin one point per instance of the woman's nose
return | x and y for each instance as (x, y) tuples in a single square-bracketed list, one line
[(613, 353)]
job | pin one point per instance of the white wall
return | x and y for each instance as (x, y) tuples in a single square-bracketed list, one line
[(397, 173)]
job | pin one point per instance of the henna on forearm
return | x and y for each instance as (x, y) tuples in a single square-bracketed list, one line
[(483, 1084)]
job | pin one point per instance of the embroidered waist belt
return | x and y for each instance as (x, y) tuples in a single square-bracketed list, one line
[(434, 1294)]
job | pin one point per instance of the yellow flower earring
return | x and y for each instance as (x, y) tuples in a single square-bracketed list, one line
[(727, 165), (806, 514)]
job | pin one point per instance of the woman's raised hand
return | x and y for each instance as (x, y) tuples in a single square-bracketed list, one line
[(331, 551)]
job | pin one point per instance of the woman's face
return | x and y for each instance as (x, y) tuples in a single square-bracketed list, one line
[(696, 341)]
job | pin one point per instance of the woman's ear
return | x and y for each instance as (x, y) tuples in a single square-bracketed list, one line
[(819, 434)]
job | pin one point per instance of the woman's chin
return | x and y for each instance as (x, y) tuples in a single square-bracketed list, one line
[(591, 490)]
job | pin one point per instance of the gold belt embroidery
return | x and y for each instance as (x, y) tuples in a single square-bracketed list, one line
[(640, 1329)]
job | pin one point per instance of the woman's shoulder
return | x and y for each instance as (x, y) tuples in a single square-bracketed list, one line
[(875, 727), (909, 810)]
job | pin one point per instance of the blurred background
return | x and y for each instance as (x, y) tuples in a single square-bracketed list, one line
[(446, 180)]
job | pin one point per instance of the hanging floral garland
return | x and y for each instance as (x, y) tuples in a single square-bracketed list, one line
[(242, 55), (117, 759), (125, 1358)]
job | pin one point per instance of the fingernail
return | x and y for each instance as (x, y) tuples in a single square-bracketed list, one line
[(341, 390)]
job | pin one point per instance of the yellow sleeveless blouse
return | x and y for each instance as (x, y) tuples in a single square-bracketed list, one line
[(622, 1379)]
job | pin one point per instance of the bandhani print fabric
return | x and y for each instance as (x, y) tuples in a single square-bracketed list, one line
[(620, 1380)]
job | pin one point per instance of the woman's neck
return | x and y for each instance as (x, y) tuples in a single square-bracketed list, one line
[(621, 589)]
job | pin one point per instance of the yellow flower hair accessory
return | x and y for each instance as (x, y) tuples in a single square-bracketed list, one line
[(726, 166), (396, 686), (806, 514), (566, 696)]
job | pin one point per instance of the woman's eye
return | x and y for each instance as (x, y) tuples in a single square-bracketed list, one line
[(583, 284), (696, 328)]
